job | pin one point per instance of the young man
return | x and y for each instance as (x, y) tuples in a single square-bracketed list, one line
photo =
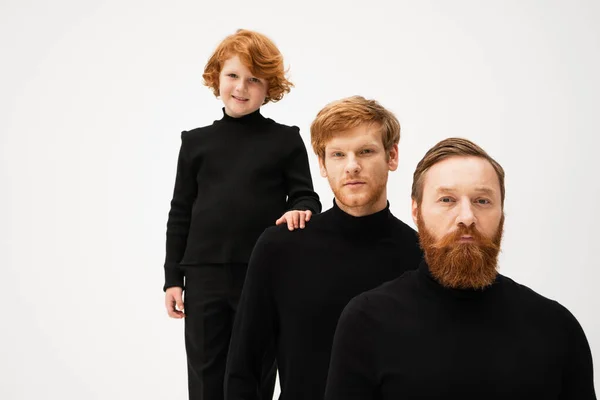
[(299, 282), (455, 328)]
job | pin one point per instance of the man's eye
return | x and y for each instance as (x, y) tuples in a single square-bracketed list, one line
[(366, 151), (232, 75), (254, 80), (446, 200), (483, 201)]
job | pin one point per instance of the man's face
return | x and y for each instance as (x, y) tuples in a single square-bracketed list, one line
[(460, 221), (356, 166)]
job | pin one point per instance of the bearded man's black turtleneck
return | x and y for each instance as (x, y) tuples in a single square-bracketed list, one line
[(413, 338)]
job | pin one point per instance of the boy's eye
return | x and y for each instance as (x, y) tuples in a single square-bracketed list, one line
[(446, 200), (232, 75), (254, 80), (337, 154), (366, 151)]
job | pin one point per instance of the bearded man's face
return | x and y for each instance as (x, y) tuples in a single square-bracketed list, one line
[(460, 222)]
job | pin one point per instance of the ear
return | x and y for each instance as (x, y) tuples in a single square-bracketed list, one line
[(322, 167), (415, 212), (393, 158)]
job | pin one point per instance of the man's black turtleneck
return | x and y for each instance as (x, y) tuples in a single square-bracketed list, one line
[(234, 179), (296, 287), (412, 338)]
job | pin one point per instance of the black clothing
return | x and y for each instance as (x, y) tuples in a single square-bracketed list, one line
[(297, 285), (234, 179), (414, 339), (211, 298)]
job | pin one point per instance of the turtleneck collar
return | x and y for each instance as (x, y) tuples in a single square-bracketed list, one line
[(372, 225), (430, 282), (253, 118)]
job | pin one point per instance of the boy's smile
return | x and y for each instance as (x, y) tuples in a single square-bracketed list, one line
[(241, 91)]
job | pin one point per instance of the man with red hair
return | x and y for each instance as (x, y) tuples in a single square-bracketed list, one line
[(455, 328), (298, 282)]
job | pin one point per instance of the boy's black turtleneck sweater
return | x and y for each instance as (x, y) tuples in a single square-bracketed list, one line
[(234, 179), (297, 285), (414, 339)]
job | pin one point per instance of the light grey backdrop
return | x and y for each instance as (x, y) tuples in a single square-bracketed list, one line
[(95, 94)]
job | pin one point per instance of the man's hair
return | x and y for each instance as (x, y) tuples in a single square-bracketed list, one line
[(258, 53), (348, 113), (451, 147)]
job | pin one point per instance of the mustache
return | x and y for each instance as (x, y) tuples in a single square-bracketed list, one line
[(350, 178), (479, 239)]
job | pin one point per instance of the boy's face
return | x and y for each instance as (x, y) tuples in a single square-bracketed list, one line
[(242, 93), (356, 166)]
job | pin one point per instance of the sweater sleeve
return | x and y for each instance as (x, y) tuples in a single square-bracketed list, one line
[(578, 375), (298, 180), (178, 223), (254, 327), (352, 367)]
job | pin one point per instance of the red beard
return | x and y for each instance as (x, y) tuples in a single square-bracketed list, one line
[(365, 199), (458, 265)]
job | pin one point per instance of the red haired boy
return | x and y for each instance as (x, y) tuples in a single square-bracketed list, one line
[(234, 179)]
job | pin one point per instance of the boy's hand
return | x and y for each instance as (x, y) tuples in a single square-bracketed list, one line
[(295, 219), (174, 302)]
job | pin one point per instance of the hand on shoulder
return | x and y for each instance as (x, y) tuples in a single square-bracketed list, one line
[(295, 219)]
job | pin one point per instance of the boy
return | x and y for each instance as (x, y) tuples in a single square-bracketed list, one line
[(234, 179)]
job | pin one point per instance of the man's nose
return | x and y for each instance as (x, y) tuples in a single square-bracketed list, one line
[(465, 216), (352, 166)]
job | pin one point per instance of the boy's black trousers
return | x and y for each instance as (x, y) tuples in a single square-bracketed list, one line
[(211, 297)]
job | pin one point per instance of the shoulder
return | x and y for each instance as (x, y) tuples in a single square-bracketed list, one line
[(281, 236), (290, 129), (384, 300), (390, 291), (273, 236), (274, 246), (279, 239), (407, 236), (402, 228), (360, 311), (196, 133), (554, 314), (202, 129), (287, 133), (368, 311), (322, 225), (538, 304), (267, 250), (525, 294)]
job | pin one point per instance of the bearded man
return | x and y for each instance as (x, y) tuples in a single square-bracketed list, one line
[(298, 282), (455, 328)]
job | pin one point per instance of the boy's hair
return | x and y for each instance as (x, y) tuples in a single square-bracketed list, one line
[(451, 147), (348, 113), (258, 53)]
